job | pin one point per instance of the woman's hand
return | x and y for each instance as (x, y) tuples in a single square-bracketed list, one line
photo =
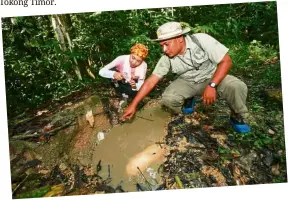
[(133, 84), (118, 76)]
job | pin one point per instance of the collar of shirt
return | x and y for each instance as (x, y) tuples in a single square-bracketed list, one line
[(189, 47)]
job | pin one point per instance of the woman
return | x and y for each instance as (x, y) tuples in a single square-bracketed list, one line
[(128, 71)]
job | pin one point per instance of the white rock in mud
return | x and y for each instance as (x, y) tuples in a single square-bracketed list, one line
[(100, 136)]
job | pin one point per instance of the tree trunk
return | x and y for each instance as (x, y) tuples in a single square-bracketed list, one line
[(61, 31)]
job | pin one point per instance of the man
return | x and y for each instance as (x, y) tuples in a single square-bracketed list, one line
[(202, 64)]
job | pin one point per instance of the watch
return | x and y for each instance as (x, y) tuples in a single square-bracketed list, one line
[(212, 84)]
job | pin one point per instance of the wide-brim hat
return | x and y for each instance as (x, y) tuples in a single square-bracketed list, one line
[(170, 30)]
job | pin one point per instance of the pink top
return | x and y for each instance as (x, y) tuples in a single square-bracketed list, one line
[(121, 64)]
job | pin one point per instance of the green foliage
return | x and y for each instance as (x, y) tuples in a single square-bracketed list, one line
[(257, 59), (261, 53), (204, 29), (35, 193), (38, 70)]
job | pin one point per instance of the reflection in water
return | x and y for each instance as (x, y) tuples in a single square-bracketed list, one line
[(144, 159)]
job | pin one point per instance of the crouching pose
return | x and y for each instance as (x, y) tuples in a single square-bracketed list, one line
[(202, 64), (128, 72)]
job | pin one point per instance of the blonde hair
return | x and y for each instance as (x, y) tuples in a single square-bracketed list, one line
[(139, 50)]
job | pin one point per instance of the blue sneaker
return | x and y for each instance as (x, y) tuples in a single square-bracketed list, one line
[(239, 126), (188, 107)]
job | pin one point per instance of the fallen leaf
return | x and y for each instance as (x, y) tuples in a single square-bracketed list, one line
[(220, 178), (55, 190), (187, 120), (88, 171), (11, 150), (99, 192), (237, 172), (41, 112), (275, 169), (207, 128), (41, 138), (44, 171), (182, 145), (90, 118), (280, 152), (240, 179), (195, 122), (221, 138), (243, 180), (62, 167), (29, 155), (235, 154), (271, 132), (47, 128), (275, 58)]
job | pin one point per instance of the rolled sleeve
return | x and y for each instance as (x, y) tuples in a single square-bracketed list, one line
[(162, 67)]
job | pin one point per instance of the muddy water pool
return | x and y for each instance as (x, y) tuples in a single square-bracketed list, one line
[(133, 148)]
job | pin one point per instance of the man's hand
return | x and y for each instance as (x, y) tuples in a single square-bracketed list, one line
[(209, 95), (147, 86), (128, 113), (118, 76), (133, 84)]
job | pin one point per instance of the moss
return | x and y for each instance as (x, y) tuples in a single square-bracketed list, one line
[(274, 94), (94, 100)]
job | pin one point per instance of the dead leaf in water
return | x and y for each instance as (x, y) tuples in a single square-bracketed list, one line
[(90, 118)]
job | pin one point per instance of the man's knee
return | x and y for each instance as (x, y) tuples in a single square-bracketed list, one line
[(172, 101), (237, 87), (231, 84)]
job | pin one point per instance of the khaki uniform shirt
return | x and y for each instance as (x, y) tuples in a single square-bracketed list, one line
[(206, 62)]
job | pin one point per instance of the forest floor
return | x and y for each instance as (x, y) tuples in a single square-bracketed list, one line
[(51, 147)]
